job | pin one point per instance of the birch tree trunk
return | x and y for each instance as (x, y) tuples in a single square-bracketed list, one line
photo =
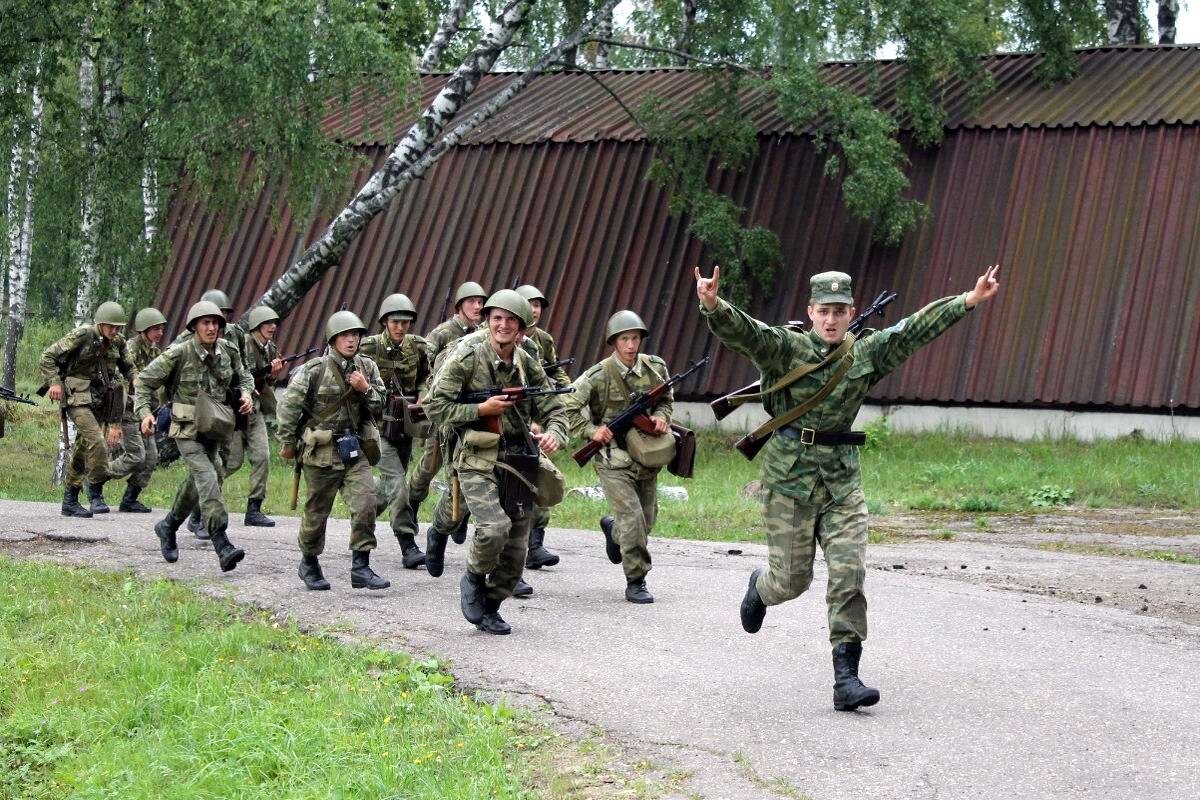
[(1168, 13), (86, 265), (446, 31), (20, 236), (684, 45), (1124, 21), (604, 31)]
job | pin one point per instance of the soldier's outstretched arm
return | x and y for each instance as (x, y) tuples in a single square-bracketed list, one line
[(442, 405), (148, 380), (742, 333)]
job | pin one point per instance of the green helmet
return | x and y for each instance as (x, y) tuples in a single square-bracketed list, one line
[(218, 298), (468, 289), (512, 302), (624, 320), (343, 321), (205, 308), (260, 315), (531, 293), (397, 304), (148, 318), (110, 313)]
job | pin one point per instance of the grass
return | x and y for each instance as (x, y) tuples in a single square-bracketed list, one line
[(1168, 556), (115, 687)]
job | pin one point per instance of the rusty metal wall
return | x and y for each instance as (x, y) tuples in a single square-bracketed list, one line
[(1097, 228)]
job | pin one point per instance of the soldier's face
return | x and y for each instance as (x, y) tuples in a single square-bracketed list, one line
[(627, 345), (505, 327), (154, 333), (267, 330), (398, 327), (108, 331), (208, 329), (536, 305), (347, 343), (831, 320), (472, 309)]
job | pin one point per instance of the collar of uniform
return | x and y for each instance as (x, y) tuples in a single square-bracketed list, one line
[(636, 369), (390, 344), (258, 343), (820, 345), (201, 351), (465, 327), (494, 358), (340, 361)]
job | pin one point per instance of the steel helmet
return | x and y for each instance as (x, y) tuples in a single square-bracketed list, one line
[(512, 302), (205, 308), (110, 313), (260, 315), (396, 304), (148, 318), (531, 293), (468, 289), (218, 298), (624, 320), (343, 321)]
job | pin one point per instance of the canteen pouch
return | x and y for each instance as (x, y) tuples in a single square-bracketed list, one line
[(213, 420), (112, 404), (478, 450), (369, 440), (517, 478), (349, 448), (650, 451), (551, 485), (77, 392), (318, 447), (684, 462)]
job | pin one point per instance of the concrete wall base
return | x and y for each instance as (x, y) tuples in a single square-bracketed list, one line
[(1007, 423)]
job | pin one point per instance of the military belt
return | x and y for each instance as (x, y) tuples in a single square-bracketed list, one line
[(825, 438)]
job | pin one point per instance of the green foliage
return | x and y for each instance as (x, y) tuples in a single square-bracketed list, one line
[(879, 434), (1050, 495)]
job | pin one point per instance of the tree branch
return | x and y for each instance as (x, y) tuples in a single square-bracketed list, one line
[(718, 62)]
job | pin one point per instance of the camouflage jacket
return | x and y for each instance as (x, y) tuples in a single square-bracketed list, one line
[(475, 365), (184, 370), (404, 368), (141, 352), (358, 408), (790, 467), (545, 342), (598, 398), (449, 331), (78, 362), (256, 354)]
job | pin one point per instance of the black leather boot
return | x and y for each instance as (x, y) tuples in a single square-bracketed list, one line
[(611, 548), (848, 691), (522, 589), (95, 493), (165, 530), (753, 609), (459, 534), (361, 574), (227, 554), (254, 516), (310, 573), (492, 622), (195, 524), (636, 592), (471, 590), (539, 556), (413, 557), (70, 504), (130, 503), (435, 552)]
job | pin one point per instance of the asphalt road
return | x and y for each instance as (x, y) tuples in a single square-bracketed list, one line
[(987, 693)]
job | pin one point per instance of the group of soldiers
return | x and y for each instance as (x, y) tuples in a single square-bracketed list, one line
[(486, 392)]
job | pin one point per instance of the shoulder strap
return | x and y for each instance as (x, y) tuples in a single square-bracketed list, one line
[(788, 417), (796, 374)]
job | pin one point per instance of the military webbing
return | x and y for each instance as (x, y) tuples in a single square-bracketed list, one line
[(796, 374), (612, 372), (787, 417)]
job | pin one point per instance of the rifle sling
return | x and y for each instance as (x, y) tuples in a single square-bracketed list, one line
[(788, 417), (796, 374)]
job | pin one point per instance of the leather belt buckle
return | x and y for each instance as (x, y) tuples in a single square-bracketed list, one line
[(807, 436)]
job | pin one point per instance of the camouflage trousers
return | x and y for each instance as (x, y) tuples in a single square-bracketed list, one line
[(632, 495), (138, 456), (252, 442), (206, 472), (794, 528), (358, 490), (541, 517), (391, 485), (501, 542), (422, 477), (89, 454)]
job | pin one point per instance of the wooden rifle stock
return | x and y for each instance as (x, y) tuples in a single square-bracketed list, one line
[(295, 484), (722, 408), (749, 447)]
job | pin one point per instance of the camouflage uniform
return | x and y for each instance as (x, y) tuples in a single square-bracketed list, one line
[(499, 545), (404, 369), (139, 453), (559, 378), (78, 363), (630, 488), (324, 472), (253, 441), (186, 369), (814, 492)]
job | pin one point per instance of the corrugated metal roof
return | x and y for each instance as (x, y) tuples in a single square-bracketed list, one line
[(1098, 230), (1115, 86)]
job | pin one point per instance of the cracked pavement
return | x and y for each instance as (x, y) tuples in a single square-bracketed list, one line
[(987, 691)]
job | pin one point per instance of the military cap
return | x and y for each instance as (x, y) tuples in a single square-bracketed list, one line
[(110, 313), (343, 321), (219, 298), (512, 302), (830, 287), (469, 289), (205, 308), (260, 315), (624, 320), (531, 293), (397, 304), (148, 318)]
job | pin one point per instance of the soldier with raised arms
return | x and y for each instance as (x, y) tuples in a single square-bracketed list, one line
[(139, 453), (813, 487)]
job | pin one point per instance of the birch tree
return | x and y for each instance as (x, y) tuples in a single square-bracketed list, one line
[(1168, 14), (446, 31), (23, 170), (1124, 21)]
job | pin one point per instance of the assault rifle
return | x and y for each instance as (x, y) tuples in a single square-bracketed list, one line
[(260, 373), (562, 362), (13, 397), (634, 414), (513, 393), (724, 406)]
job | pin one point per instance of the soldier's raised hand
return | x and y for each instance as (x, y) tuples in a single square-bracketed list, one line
[(358, 382), (706, 288), (986, 287)]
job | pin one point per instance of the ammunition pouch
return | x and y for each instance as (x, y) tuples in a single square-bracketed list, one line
[(517, 476), (111, 407), (77, 392), (318, 447), (650, 451), (214, 420), (684, 462), (403, 420), (551, 485), (477, 450)]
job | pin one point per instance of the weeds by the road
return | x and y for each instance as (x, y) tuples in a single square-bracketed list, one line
[(1168, 556)]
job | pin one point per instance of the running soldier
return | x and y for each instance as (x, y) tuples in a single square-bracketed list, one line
[(139, 453)]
